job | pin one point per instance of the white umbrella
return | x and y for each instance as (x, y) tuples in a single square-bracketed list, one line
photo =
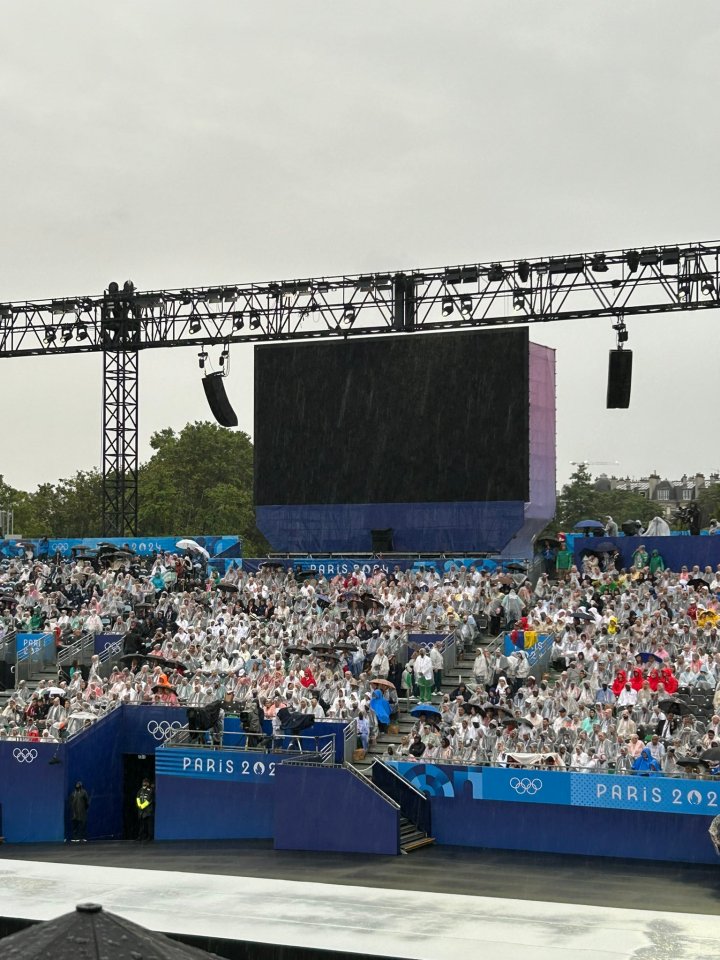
[(54, 692), (192, 545), (82, 715)]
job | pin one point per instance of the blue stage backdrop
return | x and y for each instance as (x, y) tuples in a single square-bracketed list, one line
[(33, 788)]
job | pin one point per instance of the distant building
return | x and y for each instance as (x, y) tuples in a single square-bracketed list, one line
[(668, 494)]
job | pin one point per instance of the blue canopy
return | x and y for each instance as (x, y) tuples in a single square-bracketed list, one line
[(424, 708)]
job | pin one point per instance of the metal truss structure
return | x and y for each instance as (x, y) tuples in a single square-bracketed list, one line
[(120, 323)]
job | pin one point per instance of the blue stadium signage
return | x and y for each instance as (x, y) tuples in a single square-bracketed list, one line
[(238, 766)]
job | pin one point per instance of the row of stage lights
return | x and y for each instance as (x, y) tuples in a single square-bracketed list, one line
[(497, 272)]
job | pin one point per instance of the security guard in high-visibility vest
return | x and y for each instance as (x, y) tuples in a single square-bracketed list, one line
[(144, 801)]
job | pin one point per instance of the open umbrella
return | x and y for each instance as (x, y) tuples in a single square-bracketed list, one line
[(583, 615), (227, 587), (53, 692), (698, 583), (711, 756), (92, 934), (422, 708), (602, 546), (369, 602), (306, 575), (322, 601), (675, 706), (589, 525), (517, 567), (272, 565), (381, 682), (645, 656), (193, 547), (349, 647), (82, 715), (321, 648)]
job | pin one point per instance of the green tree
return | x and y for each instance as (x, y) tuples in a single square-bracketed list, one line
[(200, 481), (577, 500)]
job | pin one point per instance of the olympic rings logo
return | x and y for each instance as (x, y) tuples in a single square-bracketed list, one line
[(526, 785), (163, 729), (23, 755)]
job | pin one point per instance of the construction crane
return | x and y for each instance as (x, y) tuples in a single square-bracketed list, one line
[(122, 322)]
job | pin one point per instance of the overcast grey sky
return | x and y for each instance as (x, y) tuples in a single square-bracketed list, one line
[(185, 143)]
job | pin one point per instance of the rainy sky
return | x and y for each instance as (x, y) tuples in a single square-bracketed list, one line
[(186, 143)]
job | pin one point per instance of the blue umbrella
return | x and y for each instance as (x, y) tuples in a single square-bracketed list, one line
[(589, 525), (645, 656), (424, 708)]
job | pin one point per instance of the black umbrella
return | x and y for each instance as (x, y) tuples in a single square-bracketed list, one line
[(711, 756), (604, 546), (296, 649), (582, 615), (351, 647), (321, 648), (675, 706), (519, 567), (498, 708), (272, 565), (306, 575), (227, 587), (368, 602), (322, 601), (92, 933), (166, 661), (698, 583)]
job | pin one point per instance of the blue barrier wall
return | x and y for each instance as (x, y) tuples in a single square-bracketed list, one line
[(32, 792), (329, 808), (658, 818), (95, 757), (675, 551), (145, 728), (214, 794)]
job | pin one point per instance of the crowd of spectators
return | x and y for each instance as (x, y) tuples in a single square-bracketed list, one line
[(628, 647)]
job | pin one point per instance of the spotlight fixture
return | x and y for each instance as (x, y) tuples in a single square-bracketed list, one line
[(348, 314), (707, 287), (238, 322), (523, 271), (684, 290), (254, 319), (496, 272), (67, 332), (50, 335), (518, 300), (81, 331), (447, 306), (598, 264), (632, 259), (466, 306), (224, 357), (202, 358), (195, 326)]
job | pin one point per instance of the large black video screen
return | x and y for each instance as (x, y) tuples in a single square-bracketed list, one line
[(400, 419)]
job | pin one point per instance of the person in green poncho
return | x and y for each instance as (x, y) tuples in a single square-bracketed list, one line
[(657, 564)]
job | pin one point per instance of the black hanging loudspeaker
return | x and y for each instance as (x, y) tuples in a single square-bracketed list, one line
[(619, 379), (217, 398)]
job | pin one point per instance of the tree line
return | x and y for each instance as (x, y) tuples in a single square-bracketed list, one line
[(579, 500), (197, 481)]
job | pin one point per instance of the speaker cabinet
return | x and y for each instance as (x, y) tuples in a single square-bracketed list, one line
[(382, 540), (619, 379), (217, 398)]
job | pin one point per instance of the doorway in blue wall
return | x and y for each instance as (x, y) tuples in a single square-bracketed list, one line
[(135, 768)]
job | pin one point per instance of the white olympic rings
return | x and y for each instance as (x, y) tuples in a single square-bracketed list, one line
[(161, 730), (23, 755), (526, 785)]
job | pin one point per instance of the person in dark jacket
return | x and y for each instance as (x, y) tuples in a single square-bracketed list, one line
[(79, 806), (145, 803)]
